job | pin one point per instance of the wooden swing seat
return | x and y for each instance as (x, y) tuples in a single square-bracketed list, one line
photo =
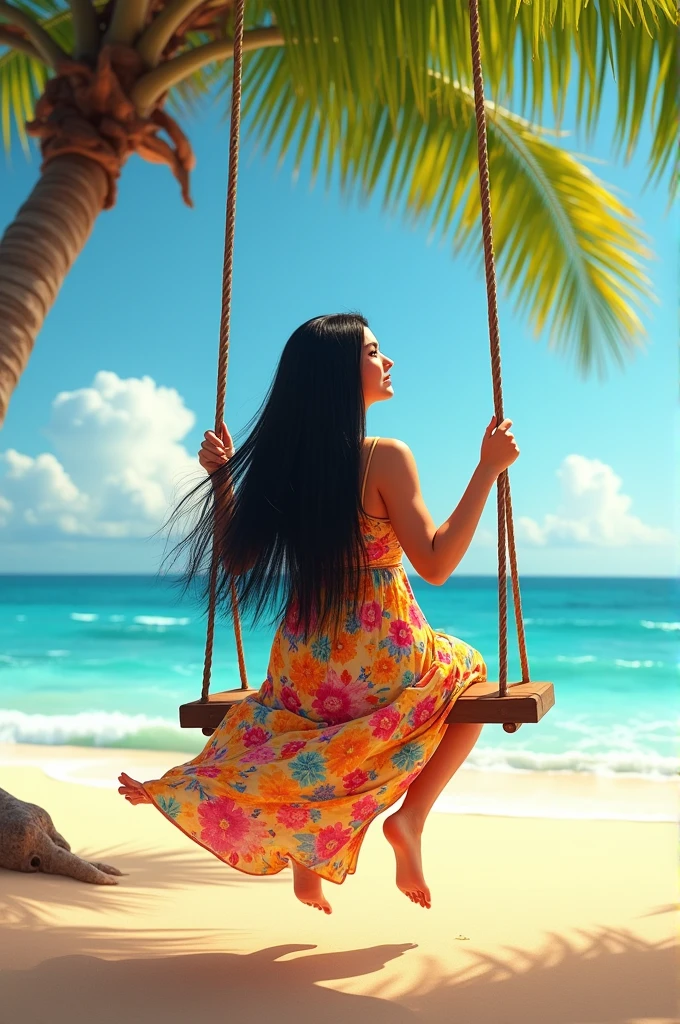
[(524, 702)]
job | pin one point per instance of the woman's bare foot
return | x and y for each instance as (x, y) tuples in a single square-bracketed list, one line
[(403, 834), (308, 890), (132, 790)]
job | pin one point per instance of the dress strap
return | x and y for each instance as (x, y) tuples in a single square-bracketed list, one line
[(368, 463)]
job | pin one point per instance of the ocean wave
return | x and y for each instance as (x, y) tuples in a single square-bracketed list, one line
[(97, 729), (190, 671), (623, 736), (620, 623), (622, 663), (83, 617), (160, 620), (607, 663), (143, 732), (573, 622), (635, 763)]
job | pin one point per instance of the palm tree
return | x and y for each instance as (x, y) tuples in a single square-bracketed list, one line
[(380, 88)]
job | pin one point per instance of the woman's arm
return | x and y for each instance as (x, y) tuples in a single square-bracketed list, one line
[(435, 551), (454, 536)]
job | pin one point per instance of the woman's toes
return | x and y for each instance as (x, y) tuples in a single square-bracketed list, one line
[(419, 897)]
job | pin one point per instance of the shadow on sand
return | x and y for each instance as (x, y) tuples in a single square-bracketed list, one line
[(611, 978), (116, 975), (150, 869)]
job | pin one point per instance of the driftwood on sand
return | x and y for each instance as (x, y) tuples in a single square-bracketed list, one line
[(30, 842)]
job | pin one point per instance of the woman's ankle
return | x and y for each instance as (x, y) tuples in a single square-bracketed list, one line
[(412, 815)]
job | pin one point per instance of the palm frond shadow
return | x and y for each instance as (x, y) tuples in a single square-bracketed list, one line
[(26, 900), (665, 908), (610, 976)]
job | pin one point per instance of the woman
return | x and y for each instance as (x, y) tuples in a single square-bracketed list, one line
[(352, 714)]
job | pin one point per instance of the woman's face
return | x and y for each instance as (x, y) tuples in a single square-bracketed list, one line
[(375, 367)]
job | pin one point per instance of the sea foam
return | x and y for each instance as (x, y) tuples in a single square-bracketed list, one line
[(116, 729), (160, 620)]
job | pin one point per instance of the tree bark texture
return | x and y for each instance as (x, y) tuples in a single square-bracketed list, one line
[(36, 253)]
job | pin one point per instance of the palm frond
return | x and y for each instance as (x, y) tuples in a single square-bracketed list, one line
[(380, 90), (22, 78), (569, 252), (534, 52)]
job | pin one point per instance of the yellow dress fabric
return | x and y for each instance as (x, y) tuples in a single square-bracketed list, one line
[(337, 732)]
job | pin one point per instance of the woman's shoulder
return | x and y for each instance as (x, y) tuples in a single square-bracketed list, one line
[(392, 459), (389, 444), (396, 472), (392, 453)]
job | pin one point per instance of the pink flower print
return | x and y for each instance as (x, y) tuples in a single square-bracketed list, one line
[(209, 771), (370, 616), (290, 749), (378, 548), (401, 633), (423, 711), (444, 656), (290, 699), (261, 755), (292, 817), (364, 808), (355, 780), (292, 622), (405, 783), (331, 839), (332, 702), (224, 826), (415, 616), (255, 736), (384, 722)]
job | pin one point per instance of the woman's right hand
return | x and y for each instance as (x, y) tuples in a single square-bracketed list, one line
[(499, 448), (215, 451)]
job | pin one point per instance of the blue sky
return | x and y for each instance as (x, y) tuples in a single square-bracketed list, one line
[(142, 301)]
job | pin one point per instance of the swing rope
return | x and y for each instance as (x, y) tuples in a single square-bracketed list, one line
[(506, 533), (223, 359), (503, 484)]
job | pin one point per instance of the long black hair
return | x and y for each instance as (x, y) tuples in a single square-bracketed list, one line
[(284, 511)]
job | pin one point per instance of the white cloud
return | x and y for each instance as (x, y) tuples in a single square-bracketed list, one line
[(118, 468), (592, 511), (120, 465)]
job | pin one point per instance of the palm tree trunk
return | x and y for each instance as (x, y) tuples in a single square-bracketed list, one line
[(37, 251)]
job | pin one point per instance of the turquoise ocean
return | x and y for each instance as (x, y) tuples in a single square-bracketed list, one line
[(105, 661)]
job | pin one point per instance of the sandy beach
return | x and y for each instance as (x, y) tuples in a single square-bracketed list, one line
[(533, 920)]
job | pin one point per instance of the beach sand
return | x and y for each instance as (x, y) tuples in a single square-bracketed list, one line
[(534, 920)]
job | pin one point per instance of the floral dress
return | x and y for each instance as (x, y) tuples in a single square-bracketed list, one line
[(335, 735)]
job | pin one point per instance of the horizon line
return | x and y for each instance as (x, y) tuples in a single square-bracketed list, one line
[(494, 576)]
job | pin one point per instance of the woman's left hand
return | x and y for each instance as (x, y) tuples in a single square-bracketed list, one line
[(215, 451)]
